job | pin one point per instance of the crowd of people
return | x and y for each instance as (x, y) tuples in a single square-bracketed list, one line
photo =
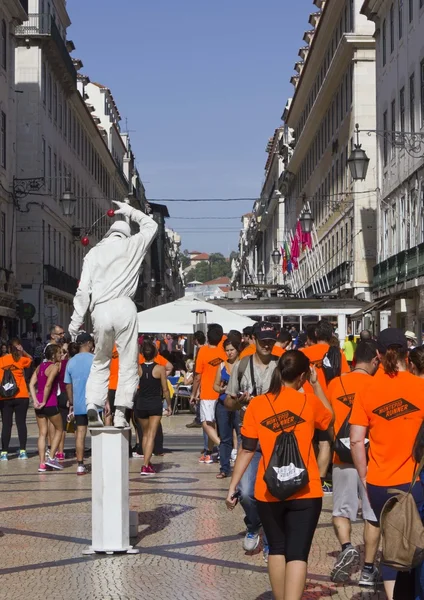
[(347, 421)]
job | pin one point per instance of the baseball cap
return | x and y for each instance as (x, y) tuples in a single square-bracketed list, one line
[(391, 337), (265, 331), (119, 227), (83, 338)]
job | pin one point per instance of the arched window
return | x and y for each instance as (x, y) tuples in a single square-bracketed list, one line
[(3, 49)]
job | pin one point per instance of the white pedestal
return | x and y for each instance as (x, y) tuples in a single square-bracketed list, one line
[(110, 490)]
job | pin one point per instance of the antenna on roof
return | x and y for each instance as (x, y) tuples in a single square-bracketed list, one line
[(126, 127)]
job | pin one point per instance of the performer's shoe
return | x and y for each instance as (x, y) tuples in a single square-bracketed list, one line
[(119, 419), (94, 419)]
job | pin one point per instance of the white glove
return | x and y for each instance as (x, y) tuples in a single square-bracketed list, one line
[(123, 209), (73, 331)]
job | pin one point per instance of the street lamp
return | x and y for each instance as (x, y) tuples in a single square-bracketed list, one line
[(306, 221), (153, 283), (68, 202), (162, 291), (358, 161), (261, 277), (275, 255)]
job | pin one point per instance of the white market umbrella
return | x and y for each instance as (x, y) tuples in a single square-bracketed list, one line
[(178, 317)]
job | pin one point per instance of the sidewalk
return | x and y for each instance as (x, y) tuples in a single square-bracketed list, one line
[(190, 544)]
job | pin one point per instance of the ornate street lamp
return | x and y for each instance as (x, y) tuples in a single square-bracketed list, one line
[(358, 161), (153, 283), (68, 202), (275, 255), (261, 277), (306, 221)]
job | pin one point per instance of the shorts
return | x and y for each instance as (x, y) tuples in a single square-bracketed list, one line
[(207, 411), (47, 411), (81, 420), (347, 490), (145, 413), (322, 436), (290, 526)]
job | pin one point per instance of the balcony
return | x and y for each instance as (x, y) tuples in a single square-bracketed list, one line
[(400, 268), (336, 278), (43, 28), (60, 280)]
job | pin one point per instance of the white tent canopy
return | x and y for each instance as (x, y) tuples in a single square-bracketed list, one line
[(180, 317)]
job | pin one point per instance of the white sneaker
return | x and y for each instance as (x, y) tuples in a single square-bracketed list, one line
[(233, 454), (119, 419), (94, 419), (81, 470)]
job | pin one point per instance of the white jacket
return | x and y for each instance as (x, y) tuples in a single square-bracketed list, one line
[(111, 269)]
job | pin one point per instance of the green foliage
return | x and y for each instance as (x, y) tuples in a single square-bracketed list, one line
[(204, 271)]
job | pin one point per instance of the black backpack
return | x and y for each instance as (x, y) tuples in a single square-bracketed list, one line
[(286, 473), (332, 363), (8, 386)]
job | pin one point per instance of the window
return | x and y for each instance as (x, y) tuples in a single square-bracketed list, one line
[(60, 110), (411, 10), (49, 92), (392, 28), (393, 127), (400, 18), (60, 186), (402, 109), (44, 82), (412, 103), (43, 157), (65, 118), (48, 244), (55, 175), (3, 240), (402, 211), (49, 168), (385, 138), (3, 42), (3, 141), (384, 42), (385, 233), (55, 102), (422, 93), (413, 230)]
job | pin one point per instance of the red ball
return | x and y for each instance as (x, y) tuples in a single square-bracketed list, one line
[(85, 241), (110, 213)]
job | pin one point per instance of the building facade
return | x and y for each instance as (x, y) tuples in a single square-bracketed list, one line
[(334, 88), (12, 13), (398, 283)]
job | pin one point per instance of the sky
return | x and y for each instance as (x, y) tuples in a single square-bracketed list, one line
[(201, 85)]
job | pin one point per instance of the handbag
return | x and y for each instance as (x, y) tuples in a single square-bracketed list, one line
[(8, 385), (286, 473), (342, 440)]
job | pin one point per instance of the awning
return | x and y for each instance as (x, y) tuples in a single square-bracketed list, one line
[(377, 305)]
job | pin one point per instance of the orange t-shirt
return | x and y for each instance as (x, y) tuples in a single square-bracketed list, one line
[(308, 413), (114, 368), (248, 351), (315, 354), (278, 351), (159, 360), (393, 410), (17, 370), (341, 393), (207, 362)]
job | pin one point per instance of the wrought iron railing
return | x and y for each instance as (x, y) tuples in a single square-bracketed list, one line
[(60, 280)]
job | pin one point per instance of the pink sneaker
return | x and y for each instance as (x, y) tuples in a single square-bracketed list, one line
[(145, 471), (42, 468), (151, 470), (60, 456)]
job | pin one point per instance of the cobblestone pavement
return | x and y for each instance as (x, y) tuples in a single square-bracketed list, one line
[(190, 545)]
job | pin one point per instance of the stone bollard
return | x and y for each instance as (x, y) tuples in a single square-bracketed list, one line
[(110, 491)]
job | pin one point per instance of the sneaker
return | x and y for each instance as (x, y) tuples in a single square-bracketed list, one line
[(251, 541), (327, 488), (151, 470), (233, 454), (208, 460), (119, 419), (42, 468), (53, 463), (47, 452), (94, 419), (60, 456), (23, 455), (346, 561), (81, 470), (3, 456), (265, 553), (370, 579), (137, 455), (147, 471), (202, 458), (193, 425)]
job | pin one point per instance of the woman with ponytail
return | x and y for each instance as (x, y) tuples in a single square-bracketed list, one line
[(389, 412), (289, 524)]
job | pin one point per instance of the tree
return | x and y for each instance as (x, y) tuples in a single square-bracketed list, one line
[(185, 259), (217, 266)]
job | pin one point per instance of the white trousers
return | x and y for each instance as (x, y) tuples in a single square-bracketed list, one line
[(114, 322)]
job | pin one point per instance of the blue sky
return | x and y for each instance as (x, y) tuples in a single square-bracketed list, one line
[(203, 84)]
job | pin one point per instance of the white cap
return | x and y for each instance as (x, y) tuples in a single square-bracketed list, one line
[(119, 227)]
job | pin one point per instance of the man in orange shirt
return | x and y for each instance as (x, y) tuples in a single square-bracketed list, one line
[(317, 354), (347, 487), (208, 360), (249, 343), (284, 339)]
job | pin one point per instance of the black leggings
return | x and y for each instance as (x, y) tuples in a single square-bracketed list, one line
[(19, 406), (290, 526)]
